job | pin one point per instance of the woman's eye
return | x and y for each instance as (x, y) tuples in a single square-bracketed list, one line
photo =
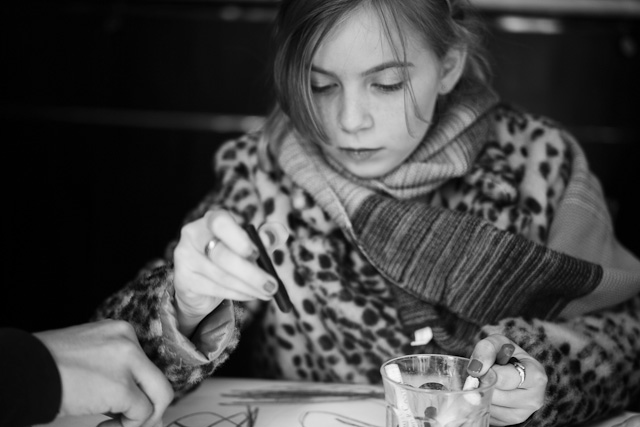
[(389, 88), (318, 89)]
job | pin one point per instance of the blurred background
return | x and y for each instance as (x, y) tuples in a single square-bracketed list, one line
[(110, 112)]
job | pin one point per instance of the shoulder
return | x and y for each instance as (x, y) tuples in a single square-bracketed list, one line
[(243, 148), (517, 132), (532, 145), (518, 121), (520, 174), (238, 157)]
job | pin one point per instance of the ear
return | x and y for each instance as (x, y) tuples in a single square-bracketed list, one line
[(453, 65)]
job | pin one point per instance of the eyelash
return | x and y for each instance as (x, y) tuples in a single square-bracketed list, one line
[(383, 88), (390, 88), (320, 89)]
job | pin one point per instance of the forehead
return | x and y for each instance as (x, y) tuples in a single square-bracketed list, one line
[(361, 40)]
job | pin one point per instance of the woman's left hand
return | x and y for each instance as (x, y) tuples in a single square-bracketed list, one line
[(513, 400)]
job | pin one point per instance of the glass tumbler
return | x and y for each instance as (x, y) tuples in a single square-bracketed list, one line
[(435, 390)]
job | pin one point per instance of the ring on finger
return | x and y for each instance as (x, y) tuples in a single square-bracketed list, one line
[(211, 244), (522, 371)]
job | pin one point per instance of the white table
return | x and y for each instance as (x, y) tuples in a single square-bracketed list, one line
[(229, 402)]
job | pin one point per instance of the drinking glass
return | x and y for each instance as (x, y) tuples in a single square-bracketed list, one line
[(435, 390)]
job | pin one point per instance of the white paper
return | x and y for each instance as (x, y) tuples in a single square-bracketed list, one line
[(216, 402), (227, 402)]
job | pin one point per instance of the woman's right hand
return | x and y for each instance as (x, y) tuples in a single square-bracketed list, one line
[(229, 271)]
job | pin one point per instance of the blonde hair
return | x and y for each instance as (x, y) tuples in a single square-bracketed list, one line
[(301, 26)]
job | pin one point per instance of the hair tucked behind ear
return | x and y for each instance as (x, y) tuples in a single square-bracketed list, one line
[(470, 31), (301, 25)]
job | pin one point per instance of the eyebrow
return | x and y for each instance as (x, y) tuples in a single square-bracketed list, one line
[(376, 69)]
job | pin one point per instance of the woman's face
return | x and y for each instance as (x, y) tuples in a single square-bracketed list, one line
[(359, 91)]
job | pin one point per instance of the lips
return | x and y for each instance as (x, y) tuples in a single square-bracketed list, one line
[(359, 154)]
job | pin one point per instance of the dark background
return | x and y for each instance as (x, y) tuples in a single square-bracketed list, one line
[(110, 113)]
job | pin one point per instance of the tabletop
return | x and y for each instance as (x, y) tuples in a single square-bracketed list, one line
[(232, 402)]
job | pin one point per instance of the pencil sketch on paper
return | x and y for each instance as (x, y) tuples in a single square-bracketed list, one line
[(282, 395), (245, 418), (305, 394), (248, 418), (327, 418)]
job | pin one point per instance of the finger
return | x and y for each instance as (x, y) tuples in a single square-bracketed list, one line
[(509, 377), (504, 416), (233, 272), (485, 353), (238, 275), (225, 228), (517, 399), (525, 398), (154, 385), (224, 287), (135, 410), (505, 353), (146, 393), (535, 377), (633, 421)]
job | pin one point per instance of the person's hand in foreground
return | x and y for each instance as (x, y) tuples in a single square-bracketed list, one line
[(514, 400), (633, 421), (103, 370), (227, 270)]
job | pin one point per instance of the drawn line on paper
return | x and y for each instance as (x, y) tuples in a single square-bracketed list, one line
[(301, 395), (326, 417), (240, 419), (283, 395)]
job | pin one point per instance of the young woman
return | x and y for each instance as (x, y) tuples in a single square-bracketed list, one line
[(399, 198)]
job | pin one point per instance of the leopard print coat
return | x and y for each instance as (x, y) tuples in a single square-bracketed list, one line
[(344, 324)]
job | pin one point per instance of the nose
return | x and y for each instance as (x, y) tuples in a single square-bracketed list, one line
[(354, 114)]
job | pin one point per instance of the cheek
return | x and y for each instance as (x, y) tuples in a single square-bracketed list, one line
[(402, 119), (427, 95), (325, 107), (392, 110), (421, 114)]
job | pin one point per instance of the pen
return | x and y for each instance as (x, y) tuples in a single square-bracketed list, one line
[(281, 296)]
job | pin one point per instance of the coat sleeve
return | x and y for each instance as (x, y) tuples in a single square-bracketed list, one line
[(591, 361), (147, 301), (31, 390)]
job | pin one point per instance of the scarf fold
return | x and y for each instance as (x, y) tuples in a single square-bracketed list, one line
[(451, 271)]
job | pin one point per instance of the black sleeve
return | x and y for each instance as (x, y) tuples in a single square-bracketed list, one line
[(31, 389)]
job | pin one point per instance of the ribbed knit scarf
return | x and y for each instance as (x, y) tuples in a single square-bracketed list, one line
[(452, 271)]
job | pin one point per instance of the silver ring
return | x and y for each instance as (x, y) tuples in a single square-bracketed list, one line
[(208, 248), (522, 371)]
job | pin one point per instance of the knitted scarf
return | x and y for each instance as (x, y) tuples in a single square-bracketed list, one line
[(453, 271)]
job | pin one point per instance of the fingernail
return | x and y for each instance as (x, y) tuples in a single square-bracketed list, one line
[(270, 287), (506, 351), (431, 412), (475, 366)]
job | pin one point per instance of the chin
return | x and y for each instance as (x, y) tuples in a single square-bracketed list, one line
[(367, 172), (371, 169)]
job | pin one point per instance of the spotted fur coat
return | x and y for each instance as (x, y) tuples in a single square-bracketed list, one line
[(344, 323)]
